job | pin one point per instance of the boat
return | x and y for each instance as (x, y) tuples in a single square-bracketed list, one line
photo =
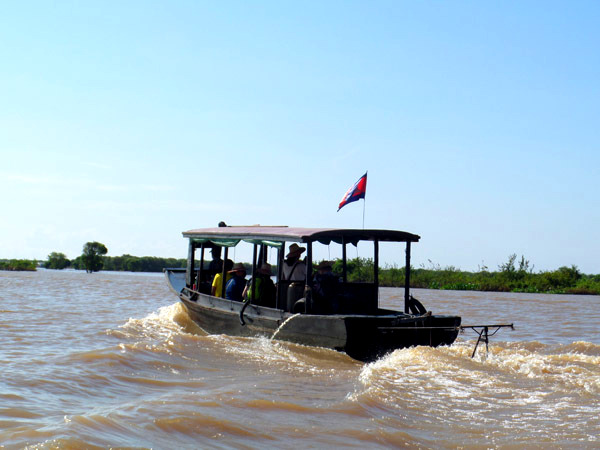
[(357, 325)]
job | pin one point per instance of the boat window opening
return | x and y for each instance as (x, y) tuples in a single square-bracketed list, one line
[(200, 273)]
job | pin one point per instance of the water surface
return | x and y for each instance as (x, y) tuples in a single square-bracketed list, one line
[(112, 360)]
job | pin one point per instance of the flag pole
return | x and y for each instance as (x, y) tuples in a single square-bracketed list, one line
[(364, 206)]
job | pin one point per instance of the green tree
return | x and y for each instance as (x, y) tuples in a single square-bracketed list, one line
[(92, 256), (57, 261)]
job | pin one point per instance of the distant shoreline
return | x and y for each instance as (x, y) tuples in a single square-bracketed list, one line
[(510, 278), (18, 265)]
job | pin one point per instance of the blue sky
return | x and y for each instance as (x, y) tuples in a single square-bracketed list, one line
[(129, 122)]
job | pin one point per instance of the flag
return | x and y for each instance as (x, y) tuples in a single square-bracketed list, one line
[(356, 192)]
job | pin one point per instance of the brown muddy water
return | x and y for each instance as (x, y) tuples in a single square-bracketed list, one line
[(111, 360)]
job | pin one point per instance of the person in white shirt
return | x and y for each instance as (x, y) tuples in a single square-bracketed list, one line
[(294, 269)]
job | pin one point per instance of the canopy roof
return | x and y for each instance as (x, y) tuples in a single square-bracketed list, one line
[(274, 235)]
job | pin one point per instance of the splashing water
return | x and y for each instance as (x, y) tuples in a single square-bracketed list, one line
[(289, 319)]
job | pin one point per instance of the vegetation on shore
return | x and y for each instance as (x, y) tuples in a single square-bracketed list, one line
[(126, 263), (512, 276), (18, 264), (142, 263)]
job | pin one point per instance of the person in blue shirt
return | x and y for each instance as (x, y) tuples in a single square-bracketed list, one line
[(235, 287)]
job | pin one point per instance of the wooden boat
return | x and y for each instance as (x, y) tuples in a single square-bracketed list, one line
[(356, 326)]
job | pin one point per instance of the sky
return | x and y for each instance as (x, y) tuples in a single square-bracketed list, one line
[(129, 122)]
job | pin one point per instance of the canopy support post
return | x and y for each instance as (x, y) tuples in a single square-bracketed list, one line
[(189, 273), (407, 279), (309, 280), (253, 282), (278, 293), (224, 273), (376, 269), (344, 261)]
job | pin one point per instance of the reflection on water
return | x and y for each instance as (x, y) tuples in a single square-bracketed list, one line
[(112, 359)]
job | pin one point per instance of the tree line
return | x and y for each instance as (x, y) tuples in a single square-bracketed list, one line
[(18, 264), (93, 259), (511, 276), (515, 275)]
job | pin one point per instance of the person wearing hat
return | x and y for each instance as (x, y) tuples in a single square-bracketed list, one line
[(264, 288), (235, 287), (325, 289), (294, 269)]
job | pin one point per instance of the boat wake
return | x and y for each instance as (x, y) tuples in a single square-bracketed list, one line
[(573, 368), (529, 385), (285, 356), (162, 323)]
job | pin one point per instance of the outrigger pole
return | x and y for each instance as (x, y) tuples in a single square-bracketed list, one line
[(484, 333)]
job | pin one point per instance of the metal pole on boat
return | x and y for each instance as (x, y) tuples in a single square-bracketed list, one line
[(224, 273), (200, 271), (189, 273), (309, 269), (376, 269), (407, 279), (344, 256), (278, 293), (253, 282)]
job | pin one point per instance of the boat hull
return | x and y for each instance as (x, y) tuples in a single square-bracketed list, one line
[(363, 337)]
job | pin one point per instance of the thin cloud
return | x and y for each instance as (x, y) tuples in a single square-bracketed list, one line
[(157, 188), (97, 165)]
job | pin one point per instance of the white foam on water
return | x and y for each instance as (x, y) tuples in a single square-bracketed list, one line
[(158, 331), (512, 386)]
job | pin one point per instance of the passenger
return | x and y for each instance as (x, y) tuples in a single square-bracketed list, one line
[(217, 284), (234, 288), (294, 269), (264, 288), (325, 289), (215, 266)]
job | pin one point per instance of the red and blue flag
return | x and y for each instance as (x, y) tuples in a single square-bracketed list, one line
[(356, 192)]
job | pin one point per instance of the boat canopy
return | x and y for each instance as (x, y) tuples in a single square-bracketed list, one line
[(275, 236)]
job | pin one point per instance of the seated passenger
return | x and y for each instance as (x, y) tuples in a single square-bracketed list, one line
[(234, 289), (294, 269), (325, 289), (264, 289), (217, 284)]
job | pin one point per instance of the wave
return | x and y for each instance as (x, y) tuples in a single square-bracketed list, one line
[(286, 356), (511, 374), (164, 322)]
